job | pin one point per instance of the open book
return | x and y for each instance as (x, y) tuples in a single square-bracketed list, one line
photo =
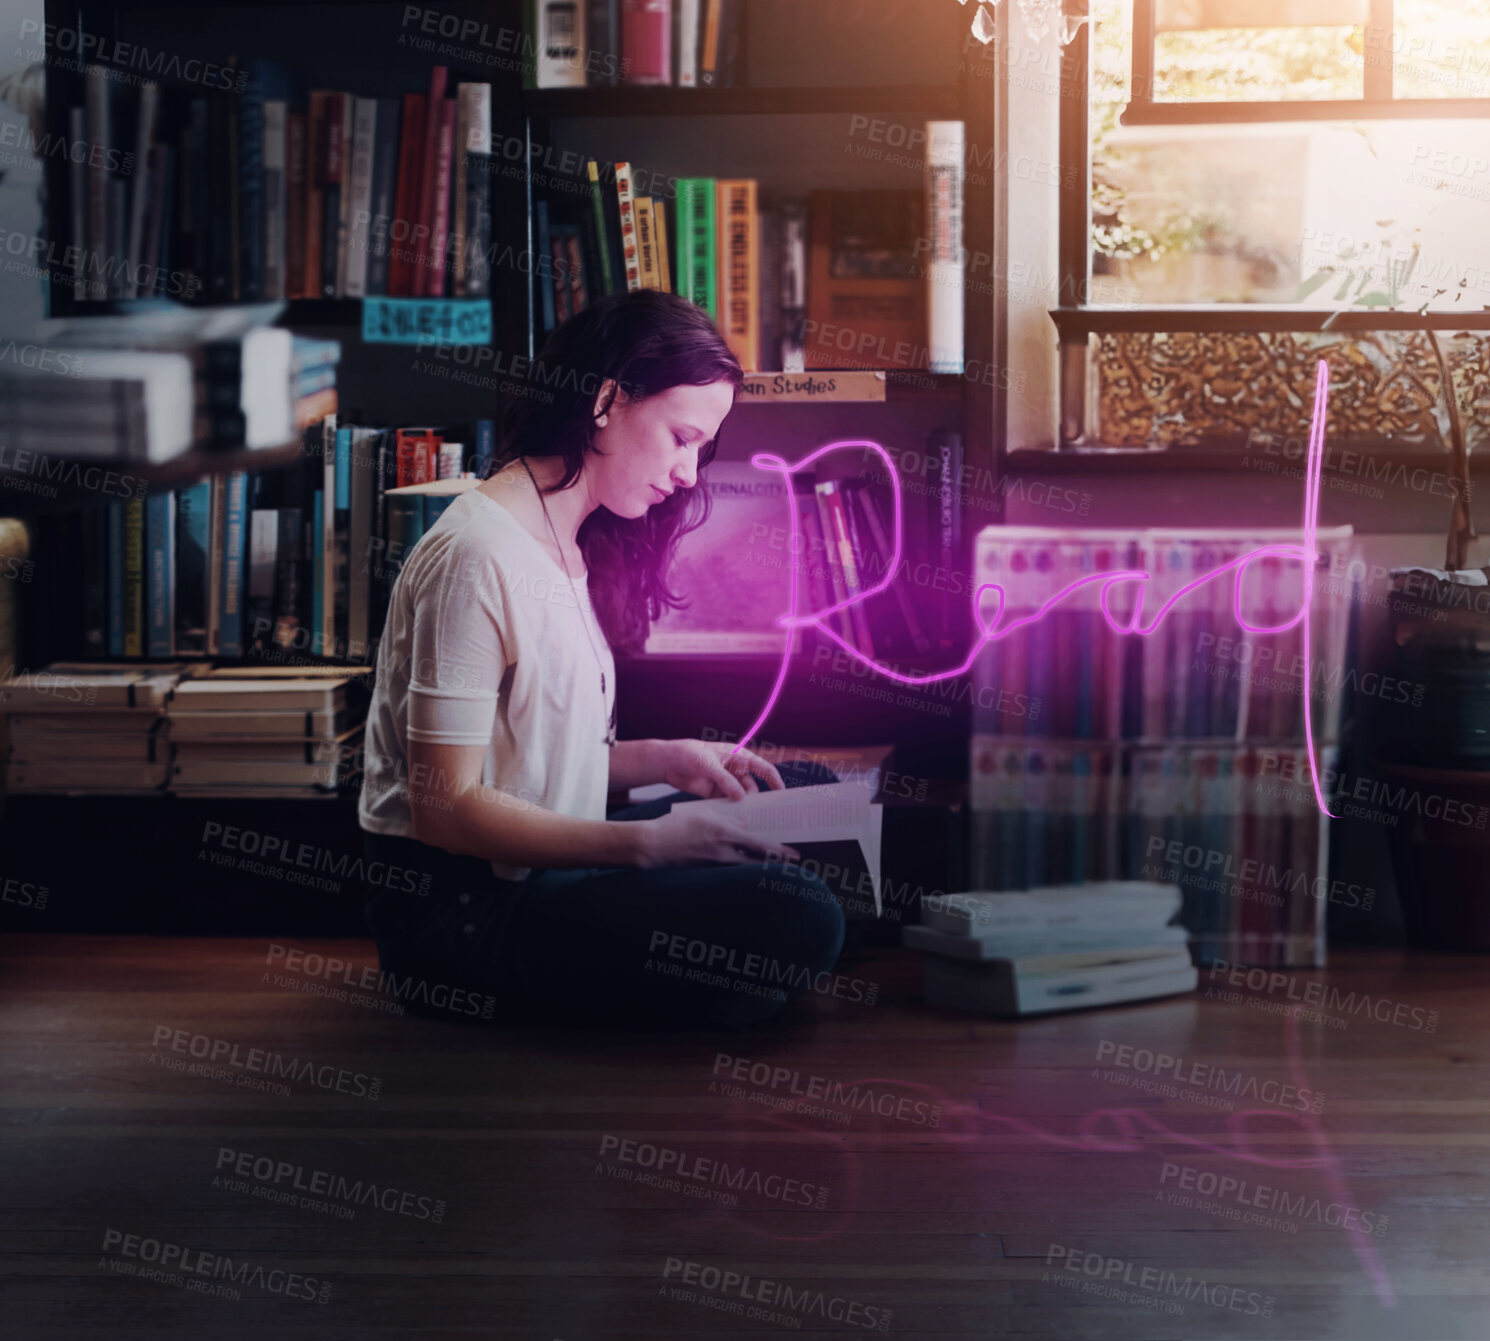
[(835, 828)]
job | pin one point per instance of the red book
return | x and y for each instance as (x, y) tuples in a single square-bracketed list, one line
[(295, 199), (647, 40), (429, 170), (417, 456), (440, 228), (406, 198)]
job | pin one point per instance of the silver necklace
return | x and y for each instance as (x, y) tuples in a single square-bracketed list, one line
[(610, 735)]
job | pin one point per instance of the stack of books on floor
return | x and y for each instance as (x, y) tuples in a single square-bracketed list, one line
[(1058, 948), (866, 280), (278, 191), (78, 728), (152, 385), (267, 732)]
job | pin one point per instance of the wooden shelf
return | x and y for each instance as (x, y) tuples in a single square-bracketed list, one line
[(1230, 317), (934, 102)]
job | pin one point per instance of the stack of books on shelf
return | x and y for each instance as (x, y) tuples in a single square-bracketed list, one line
[(736, 574), (268, 190), (267, 732), (1180, 756), (602, 43), (290, 563), (1056, 948), (838, 280), (149, 386), (80, 728)]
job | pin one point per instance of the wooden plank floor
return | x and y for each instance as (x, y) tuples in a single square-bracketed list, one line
[(1048, 1198)]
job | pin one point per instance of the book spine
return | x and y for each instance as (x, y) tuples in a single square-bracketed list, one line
[(833, 562), (95, 526), (440, 216), (626, 203), (381, 196), (150, 271), (543, 265), (344, 195), (559, 275), (115, 572), (327, 628), (464, 112), (486, 448), (794, 286), (559, 40), (434, 119), (336, 132), (708, 49), (660, 235), (193, 518), (646, 243), (318, 576), (339, 571), (317, 130), (77, 189), (606, 260), (703, 229), (248, 180), (160, 573), (406, 196), (405, 528), (134, 577), (739, 271), (646, 38), (359, 216), (144, 141), (578, 292), (476, 282), (296, 185), (234, 542), (836, 526), (100, 138), (688, 24), (263, 564), (947, 447), (945, 154), (602, 43), (276, 199)]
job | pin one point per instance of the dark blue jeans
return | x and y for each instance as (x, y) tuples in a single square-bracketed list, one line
[(696, 945)]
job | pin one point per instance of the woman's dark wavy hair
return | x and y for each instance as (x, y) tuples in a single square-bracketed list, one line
[(646, 342)]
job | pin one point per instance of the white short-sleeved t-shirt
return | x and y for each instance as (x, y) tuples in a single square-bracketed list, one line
[(486, 643)]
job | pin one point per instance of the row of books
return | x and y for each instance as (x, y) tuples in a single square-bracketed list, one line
[(1236, 828), (150, 386), (737, 573), (602, 43), (1050, 949), (280, 193), (841, 279), (295, 560), (79, 728), (1198, 674)]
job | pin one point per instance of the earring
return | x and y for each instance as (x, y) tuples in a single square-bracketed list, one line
[(602, 420)]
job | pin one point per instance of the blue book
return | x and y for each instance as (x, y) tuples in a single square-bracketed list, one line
[(318, 580), (116, 579), (160, 574), (235, 543)]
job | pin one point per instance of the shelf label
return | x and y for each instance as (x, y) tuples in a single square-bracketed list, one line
[(784, 388), (413, 321)]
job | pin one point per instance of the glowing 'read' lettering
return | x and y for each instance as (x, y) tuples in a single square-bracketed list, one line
[(994, 629)]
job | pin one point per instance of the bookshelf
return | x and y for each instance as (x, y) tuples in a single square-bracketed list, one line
[(794, 137)]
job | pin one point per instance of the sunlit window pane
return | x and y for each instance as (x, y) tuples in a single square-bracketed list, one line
[(1438, 48)]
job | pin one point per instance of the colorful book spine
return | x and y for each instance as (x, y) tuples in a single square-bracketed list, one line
[(439, 232), (698, 255), (406, 196), (646, 243), (116, 579), (945, 280), (739, 271), (630, 252), (646, 38), (609, 262), (134, 577)]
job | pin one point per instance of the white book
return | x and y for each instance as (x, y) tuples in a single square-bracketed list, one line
[(76, 749), (688, 17), (1124, 903), (999, 989), (945, 153), (359, 218), (60, 729), (88, 777), (192, 772), (560, 43), (199, 753), (276, 204), (802, 817), (230, 726), (1073, 945), (211, 694)]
